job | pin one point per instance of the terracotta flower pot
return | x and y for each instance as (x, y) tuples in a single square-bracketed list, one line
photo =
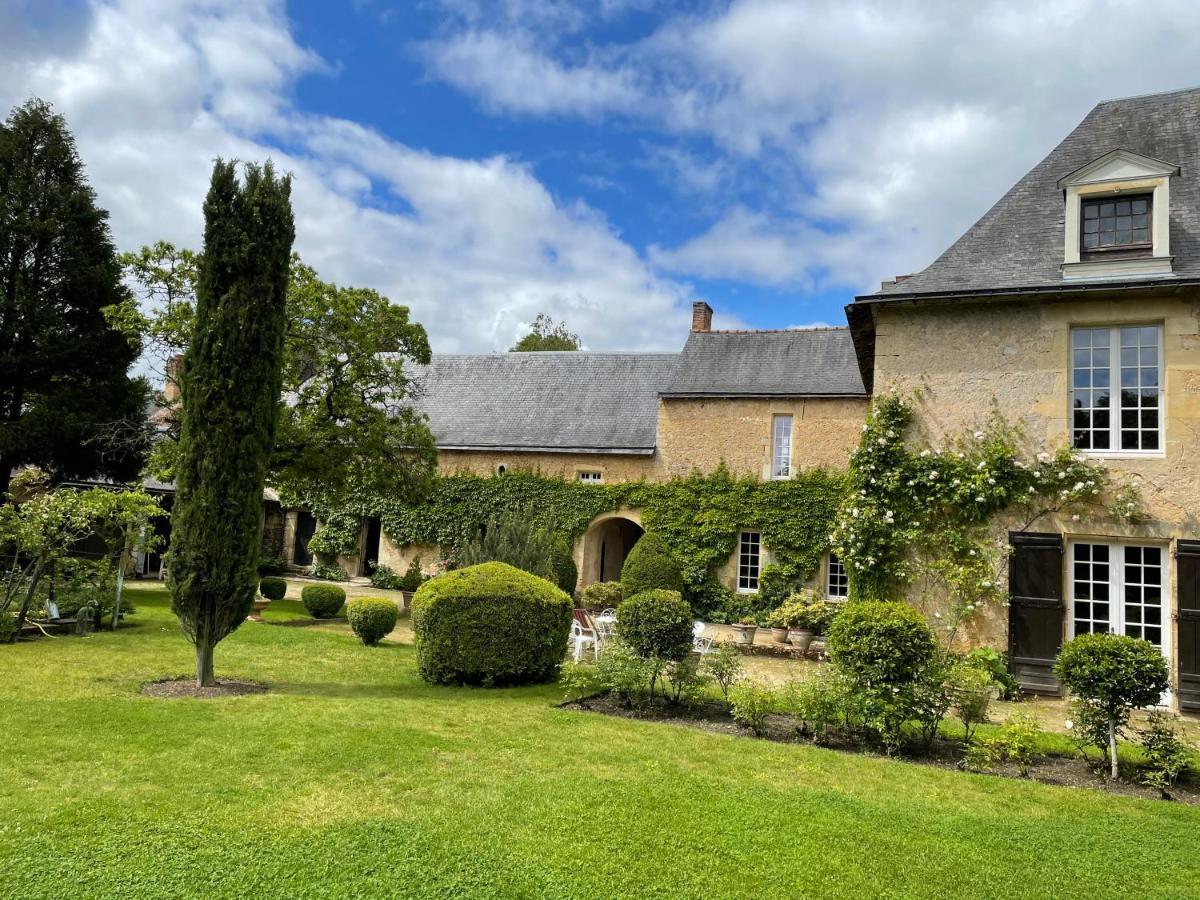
[(800, 639), (779, 635), (744, 634)]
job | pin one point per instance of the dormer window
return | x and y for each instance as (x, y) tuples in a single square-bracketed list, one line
[(1119, 224), (1117, 218)]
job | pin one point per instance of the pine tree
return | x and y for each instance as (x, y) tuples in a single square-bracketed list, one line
[(64, 383), (231, 380)]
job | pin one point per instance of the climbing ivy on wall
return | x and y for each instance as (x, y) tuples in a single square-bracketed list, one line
[(699, 516), (927, 514)]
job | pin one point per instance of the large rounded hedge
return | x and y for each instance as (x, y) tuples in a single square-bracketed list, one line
[(881, 642), (490, 624), (273, 587), (656, 623), (323, 601), (650, 566), (371, 618)]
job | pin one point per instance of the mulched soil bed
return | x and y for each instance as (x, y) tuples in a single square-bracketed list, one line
[(186, 687), (944, 754)]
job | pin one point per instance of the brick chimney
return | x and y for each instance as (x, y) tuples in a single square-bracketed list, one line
[(171, 389), (701, 316)]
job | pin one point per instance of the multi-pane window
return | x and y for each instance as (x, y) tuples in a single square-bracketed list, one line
[(749, 560), (1115, 223), (1126, 360), (781, 456), (1118, 588), (590, 477), (837, 583)]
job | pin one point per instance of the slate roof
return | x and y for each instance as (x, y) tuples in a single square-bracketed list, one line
[(801, 362), (1019, 242), (555, 401)]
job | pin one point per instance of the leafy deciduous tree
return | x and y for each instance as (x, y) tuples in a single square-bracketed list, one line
[(546, 334)]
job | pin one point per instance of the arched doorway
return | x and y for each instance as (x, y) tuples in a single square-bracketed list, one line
[(606, 544)]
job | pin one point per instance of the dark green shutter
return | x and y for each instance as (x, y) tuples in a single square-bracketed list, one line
[(1035, 611), (1187, 577)]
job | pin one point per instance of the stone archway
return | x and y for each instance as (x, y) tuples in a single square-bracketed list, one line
[(606, 543)]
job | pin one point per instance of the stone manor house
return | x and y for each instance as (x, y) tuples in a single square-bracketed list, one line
[(1073, 305)]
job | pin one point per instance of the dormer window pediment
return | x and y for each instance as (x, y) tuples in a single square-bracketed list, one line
[(1117, 222)]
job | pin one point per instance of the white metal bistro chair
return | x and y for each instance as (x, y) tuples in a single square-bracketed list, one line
[(583, 635), (700, 643)]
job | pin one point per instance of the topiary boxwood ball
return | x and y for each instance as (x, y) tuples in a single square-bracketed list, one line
[(650, 565), (371, 618), (881, 642), (490, 624), (656, 624), (323, 601), (273, 588)]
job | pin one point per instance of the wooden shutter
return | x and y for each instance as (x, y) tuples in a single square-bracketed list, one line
[(1187, 579), (1035, 611)]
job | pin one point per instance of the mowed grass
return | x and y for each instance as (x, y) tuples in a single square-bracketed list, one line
[(353, 778)]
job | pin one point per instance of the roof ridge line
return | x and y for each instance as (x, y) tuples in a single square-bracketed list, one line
[(774, 330)]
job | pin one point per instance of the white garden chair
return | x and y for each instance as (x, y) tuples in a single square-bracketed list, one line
[(700, 643), (583, 635)]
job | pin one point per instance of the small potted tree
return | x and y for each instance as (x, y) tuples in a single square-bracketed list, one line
[(412, 579)]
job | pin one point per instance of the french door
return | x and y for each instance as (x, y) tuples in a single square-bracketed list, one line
[(1120, 588)]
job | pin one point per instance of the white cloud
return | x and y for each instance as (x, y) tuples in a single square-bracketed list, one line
[(877, 131), (154, 92)]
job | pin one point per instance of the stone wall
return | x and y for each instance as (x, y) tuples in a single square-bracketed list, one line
[(965, 358), (701, 433)]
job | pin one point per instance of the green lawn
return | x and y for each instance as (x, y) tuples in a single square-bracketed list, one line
[(352, 778)]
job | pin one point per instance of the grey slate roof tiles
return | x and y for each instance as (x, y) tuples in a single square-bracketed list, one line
[(568, 400), (597, 402), (809, 362), (1019, 242)]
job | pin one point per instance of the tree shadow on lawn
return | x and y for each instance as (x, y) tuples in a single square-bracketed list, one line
[(407, 687)]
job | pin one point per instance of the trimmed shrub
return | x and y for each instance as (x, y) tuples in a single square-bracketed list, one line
[(602, 595), (566, 573), (272, 587), (490, 624), (329, 572), (890, 659), (879, 642), (1114, 674), (371, 618), (323, 601), (650, 566), (386, 578), (656, 624)]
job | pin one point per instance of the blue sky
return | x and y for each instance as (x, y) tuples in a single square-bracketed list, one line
[(608, 162)]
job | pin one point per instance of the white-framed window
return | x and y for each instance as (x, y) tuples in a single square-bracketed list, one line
[(837, 582), (749, 561), (1120, 588), (590, 477), (781, 447), (1117, 389)]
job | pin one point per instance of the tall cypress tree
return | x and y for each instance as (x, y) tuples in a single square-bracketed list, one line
[(65, 390), (231, 381)]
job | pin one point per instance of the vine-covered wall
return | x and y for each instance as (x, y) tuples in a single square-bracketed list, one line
[(699, 516)]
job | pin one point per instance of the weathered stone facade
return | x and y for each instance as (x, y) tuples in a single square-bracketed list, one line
[(966, 359), (703, 433)]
